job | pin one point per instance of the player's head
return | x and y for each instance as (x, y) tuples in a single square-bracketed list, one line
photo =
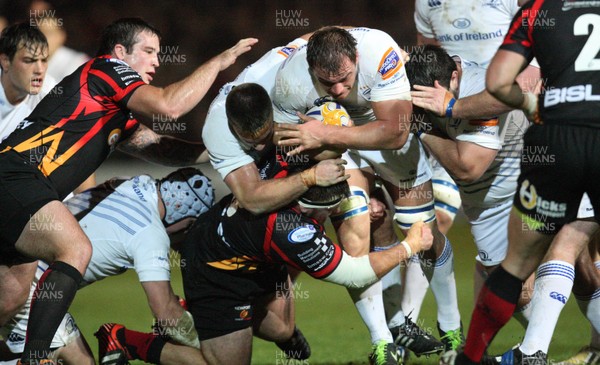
[(250, 116), (319, 201), (24, 59), (332, 56), (134, 41), (186, 193), (430, 63)]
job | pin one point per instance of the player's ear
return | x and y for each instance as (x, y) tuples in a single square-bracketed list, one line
[(454, 81), (4, 62), (119, 51)]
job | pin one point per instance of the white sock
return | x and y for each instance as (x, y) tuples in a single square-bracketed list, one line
[(553, 284), (443, 286), (369, 303), (589, 306), (523, 314), (415, 288), (392, 292)]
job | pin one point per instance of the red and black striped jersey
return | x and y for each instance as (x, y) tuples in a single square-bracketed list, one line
[(75, 127), (564, 36), (230, 238)]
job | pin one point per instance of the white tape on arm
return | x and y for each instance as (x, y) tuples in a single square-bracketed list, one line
[(353, 272)]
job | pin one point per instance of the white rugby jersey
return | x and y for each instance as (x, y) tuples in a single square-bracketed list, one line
[(125, 229), (380, 76), (12, 115), (499, 182), (473, 29), (224, 150)]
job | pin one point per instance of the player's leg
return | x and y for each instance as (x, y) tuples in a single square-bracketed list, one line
[(75, 352), (586, 290), (553, 284), (352, 224), (54, 235), (15, 283)]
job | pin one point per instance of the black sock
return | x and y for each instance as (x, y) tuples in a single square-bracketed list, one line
[(51, 300)]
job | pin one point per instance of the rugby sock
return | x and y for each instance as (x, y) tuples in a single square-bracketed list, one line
[(553, 284), (144, 346), (415, 288), (443, 286), (51, 300), (391, 284), (495, 305), (369, 303), (590, 307), (523, 314)]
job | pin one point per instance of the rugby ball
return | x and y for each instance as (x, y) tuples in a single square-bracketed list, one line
[(330, 113)]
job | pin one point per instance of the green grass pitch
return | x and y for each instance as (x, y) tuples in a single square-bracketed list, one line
[(325, 314)]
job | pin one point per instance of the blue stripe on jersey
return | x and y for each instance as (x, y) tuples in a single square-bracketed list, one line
[(126, 203), (114, 220), (445, 183), (349, 213), (407, 226), (446, 254), (122, 212)]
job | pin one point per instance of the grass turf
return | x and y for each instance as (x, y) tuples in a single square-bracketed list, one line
[(325, 314)]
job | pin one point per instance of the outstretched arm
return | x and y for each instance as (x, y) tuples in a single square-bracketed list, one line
[(180, 97)]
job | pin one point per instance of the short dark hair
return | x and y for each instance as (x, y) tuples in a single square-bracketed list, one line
[(248, 108), (123, 31), (21, 35), (429, 63), (326, 48), (325, 196)]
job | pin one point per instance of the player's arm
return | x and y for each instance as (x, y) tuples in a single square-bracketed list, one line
[(501, 81), (463, 160), (89, 183), (389, 131), (436, 99), (171, 318), (423, 40), (180, 97), (357, 272), (260, 196), (147, 145)]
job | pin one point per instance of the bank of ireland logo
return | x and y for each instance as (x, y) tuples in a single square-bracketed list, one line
[(528, 195)]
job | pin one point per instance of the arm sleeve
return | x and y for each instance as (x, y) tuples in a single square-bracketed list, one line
[(115, 80), (518, 39), (422, 18), (299, 241), (224, 150), (381, 54), (150, 252)]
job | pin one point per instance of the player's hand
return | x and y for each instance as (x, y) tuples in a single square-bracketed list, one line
[(330, 172), (433, 98), (419, 237), (376, 209), (228, 57), (306, 136)]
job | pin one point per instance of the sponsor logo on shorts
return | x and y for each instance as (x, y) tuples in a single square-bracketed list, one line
[(302, 234), (390, 64), (243, 312), (484, 256), (532, 201), (15, 338)]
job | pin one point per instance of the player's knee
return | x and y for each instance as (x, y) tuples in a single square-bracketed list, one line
[(405, 216)]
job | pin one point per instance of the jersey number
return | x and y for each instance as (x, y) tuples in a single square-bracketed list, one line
[(586, 60)]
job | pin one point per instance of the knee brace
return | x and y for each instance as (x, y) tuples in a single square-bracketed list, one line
[(406, 216), (447, 197), (356, 204)]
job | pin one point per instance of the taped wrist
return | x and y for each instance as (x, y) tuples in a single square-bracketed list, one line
[(184, 332), (449, 101), (309, 177), (353, 272)]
